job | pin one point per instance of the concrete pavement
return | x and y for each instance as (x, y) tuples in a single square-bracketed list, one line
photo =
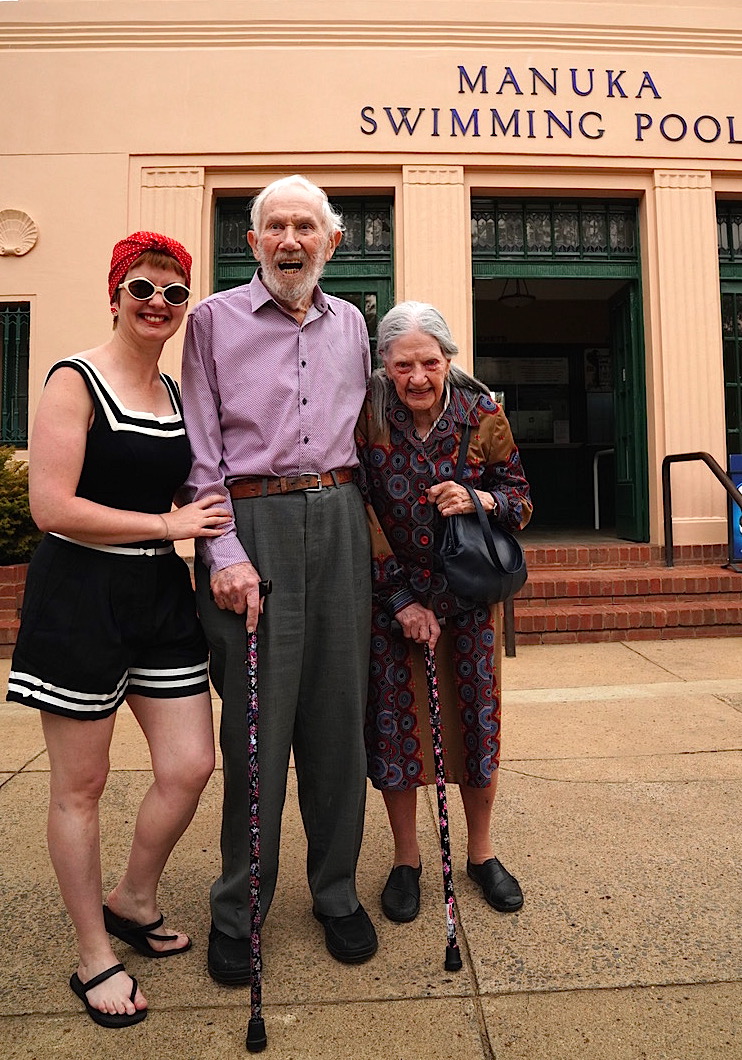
[(619, 811)]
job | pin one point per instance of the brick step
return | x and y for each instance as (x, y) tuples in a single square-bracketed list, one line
[(586, 557), (611, 584), (626, 620)]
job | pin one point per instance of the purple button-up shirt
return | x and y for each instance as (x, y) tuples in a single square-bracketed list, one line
[(264, 395)]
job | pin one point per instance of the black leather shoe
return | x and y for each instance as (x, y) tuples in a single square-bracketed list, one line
[(229, 959), (501, 890), (350, 939), (400, 898)]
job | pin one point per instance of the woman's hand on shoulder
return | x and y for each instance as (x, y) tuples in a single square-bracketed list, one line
[(202, 518), (419, 624)]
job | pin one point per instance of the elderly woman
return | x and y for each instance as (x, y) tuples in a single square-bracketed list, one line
[(408, 438), (109, 615)]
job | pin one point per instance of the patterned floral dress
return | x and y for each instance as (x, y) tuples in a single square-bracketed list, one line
[(397, 468)]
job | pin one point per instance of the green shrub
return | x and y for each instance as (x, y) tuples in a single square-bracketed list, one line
[(18, 533)]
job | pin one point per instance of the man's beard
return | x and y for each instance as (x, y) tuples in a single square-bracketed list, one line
[(294, 288)]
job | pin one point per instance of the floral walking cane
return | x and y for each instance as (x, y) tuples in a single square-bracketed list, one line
[(453, 956), (256, 1039)]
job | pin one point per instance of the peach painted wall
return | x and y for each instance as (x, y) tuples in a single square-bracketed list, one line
[(134, 114)]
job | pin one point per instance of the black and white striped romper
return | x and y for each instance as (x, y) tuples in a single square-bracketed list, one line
[(100, 622)]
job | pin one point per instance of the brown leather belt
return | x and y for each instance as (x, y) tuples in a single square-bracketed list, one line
[(263, 486)]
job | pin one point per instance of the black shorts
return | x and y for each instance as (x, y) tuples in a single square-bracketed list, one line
[(97, 626)]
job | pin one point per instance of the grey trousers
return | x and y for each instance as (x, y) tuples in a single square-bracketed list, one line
[(313, 647)]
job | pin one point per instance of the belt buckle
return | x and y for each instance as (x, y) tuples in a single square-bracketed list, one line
[(314, 489)]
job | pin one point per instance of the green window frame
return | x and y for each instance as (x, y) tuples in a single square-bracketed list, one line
[(15, 327)]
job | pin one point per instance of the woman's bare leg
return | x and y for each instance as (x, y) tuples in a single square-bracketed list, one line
[(78, 755), (181, 740)]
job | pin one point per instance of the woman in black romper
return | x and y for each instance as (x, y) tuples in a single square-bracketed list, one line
[(109, 615)]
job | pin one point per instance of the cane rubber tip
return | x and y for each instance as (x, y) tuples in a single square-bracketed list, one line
[(256, 1036), (453, 959)]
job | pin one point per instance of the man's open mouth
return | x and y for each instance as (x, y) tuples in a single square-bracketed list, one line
[(290, 267)]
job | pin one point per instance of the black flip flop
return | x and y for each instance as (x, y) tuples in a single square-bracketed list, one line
[(137, 935), (107, 1019)]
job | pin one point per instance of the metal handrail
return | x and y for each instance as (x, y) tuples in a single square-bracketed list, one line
[(676, 458)]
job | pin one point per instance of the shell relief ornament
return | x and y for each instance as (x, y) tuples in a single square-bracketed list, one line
[(18, 233)]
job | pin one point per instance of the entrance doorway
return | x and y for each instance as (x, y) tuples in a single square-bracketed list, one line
[(557, 321), (565, 356)]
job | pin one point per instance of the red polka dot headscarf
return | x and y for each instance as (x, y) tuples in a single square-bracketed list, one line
[(126, 252)]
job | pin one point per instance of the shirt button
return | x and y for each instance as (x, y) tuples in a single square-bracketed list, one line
[(303, 364), (303, 401), (305, 441)]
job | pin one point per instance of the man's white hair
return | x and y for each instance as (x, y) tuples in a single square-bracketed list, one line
[(332, 219)]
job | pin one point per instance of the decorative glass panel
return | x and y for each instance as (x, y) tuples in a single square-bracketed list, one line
[(622, 233), (594, 237), (233, 217), (508, 230), (566, 232), (379, 231), (352, 237), (729, 229), (538, 231), (482, 231), (368, 229)]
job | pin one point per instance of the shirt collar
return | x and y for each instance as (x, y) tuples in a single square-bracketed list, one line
[(260, 295)]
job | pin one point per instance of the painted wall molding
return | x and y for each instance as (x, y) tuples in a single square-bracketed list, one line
[(368, 34)]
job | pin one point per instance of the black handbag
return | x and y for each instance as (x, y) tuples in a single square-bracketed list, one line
[(482, 560)]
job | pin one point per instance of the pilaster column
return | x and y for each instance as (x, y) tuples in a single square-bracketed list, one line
[(687, 376), (436, 255), (171, 203)]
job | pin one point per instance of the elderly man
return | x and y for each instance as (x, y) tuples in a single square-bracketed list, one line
[(274, 375)]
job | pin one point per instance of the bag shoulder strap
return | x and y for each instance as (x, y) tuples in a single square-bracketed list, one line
[(463, 451)]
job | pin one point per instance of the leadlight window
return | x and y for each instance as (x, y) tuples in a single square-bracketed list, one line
[(729, 230), (15, 324), (368, 229), (591, 230)]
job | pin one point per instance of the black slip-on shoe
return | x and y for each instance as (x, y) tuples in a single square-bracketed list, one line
[(229, 959), (350, 939), (499, 887), (400, 898)]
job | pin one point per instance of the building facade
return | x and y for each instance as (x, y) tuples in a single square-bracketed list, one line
[(563, 180)]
